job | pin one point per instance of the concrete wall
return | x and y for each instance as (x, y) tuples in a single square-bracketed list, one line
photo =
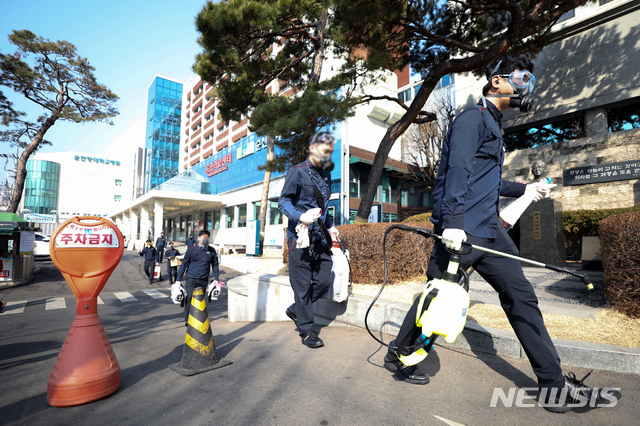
[(589, 151), (593, 63)]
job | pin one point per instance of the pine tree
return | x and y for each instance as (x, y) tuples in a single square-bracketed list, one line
[(61, 82)]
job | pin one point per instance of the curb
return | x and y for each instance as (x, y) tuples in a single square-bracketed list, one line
[(387, 316)]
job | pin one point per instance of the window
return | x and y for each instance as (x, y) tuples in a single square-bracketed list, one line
[(623, 118), (405, 96), (256, 210), (570, 14), (231, 214), (354, 184), (427, 199), (603, 2), (560, 131), (274, 213), (242, 216), (117, 198), (216, 219), (118, 182), (207, 220)]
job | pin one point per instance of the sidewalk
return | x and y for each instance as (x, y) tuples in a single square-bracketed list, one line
[(557, 293)]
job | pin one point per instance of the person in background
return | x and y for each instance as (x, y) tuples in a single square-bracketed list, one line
[(172, 270), (161, 243), (191, 241), (199, 260), (150, 259), (305, 201)]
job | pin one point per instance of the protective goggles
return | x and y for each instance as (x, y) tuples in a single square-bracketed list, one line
[(520, 79), (326, 138)]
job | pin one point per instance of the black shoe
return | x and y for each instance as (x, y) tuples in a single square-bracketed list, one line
[(291, 315), (408, 373), (581, 396), (554, 400), (312, 340)]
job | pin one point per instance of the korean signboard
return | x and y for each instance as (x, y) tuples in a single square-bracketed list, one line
[(74, 235), (219, 165), (602, 173)]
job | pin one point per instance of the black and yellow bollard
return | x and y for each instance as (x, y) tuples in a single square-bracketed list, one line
[(199, 353)]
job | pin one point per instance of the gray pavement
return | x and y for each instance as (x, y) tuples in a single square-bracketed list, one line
[(557, 293), (274, 380)]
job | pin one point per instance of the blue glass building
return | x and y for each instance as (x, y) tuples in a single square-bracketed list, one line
[(162, 146), (41, 186)]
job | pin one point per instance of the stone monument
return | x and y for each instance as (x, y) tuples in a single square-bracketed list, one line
[(541, 227)]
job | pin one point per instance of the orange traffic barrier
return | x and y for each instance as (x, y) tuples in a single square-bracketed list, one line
[(86, 250)]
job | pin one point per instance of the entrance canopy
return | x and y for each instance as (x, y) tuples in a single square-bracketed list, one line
[(160, 203)]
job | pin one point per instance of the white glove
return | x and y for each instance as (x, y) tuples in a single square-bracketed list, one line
[(310, 216), (178, 293), (334, 233), (542, 189), (453, 238), (214, 289)]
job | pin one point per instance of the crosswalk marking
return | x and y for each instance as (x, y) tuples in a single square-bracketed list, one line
[(125, 296), (14, 307), (155, 294), (55, 303)]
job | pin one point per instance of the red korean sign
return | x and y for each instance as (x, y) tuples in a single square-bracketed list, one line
[(74, 235), (219, 165)]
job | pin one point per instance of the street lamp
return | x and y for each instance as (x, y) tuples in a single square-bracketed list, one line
[(55, 212), (23, 211)]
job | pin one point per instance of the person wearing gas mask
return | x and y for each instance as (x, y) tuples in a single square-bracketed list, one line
[(304, 200), (199, 261), (150, 259), (467, 191)]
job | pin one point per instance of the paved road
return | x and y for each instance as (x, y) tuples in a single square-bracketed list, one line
[(273, 380)]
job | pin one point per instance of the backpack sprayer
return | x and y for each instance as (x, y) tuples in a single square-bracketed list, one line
[(443, 306)]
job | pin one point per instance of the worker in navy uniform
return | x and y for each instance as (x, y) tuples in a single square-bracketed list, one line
[(172, 270), (150, 259), (190, 241), (309, 266), (467, 190), (161, 243), (199, 261)]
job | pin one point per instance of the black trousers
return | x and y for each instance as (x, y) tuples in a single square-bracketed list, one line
[(517, 298), (310, 278), (190, 285), (172, 271), (148, 268), (160, 253)]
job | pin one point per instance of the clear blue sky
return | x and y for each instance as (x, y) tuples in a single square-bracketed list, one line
[(128, 42)]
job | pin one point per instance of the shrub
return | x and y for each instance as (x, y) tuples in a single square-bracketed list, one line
[(620, 246), (586, 222), (579, 223), (407, 253), (422, 217)]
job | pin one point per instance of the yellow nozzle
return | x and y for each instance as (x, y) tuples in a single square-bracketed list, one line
[(590, 286)]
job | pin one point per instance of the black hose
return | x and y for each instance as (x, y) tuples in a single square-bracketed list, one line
[(418, 231)]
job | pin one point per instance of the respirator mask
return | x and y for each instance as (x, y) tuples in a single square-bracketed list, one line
[(523, 83), (324, 160)]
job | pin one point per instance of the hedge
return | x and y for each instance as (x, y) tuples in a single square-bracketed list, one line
[(620, 247), (579, 223), (407, 253), (422, 217)]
